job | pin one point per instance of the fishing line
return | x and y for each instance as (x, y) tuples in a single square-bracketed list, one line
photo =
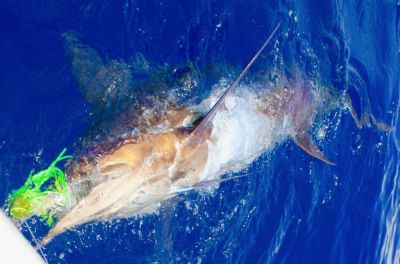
[(35, 240)]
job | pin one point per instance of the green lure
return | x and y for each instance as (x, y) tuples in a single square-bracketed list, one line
[(42, 193)]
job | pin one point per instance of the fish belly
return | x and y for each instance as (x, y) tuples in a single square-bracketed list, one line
[(240, 134)]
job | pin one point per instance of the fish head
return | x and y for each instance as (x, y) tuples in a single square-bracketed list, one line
[(80, 167)]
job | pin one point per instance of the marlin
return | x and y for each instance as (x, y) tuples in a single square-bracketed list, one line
[(177, 149)]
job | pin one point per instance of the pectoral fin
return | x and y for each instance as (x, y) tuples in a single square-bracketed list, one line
[(215, 181), (305, 142), (206, 183)]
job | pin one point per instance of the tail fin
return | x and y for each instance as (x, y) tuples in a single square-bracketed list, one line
[(365, 119)]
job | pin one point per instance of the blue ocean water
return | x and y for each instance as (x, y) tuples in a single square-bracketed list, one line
[(292, 208)]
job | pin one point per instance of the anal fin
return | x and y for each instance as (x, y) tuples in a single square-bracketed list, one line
[(305, 142)]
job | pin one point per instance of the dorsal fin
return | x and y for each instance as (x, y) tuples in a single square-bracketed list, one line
[(205, 124), (304, 141)]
